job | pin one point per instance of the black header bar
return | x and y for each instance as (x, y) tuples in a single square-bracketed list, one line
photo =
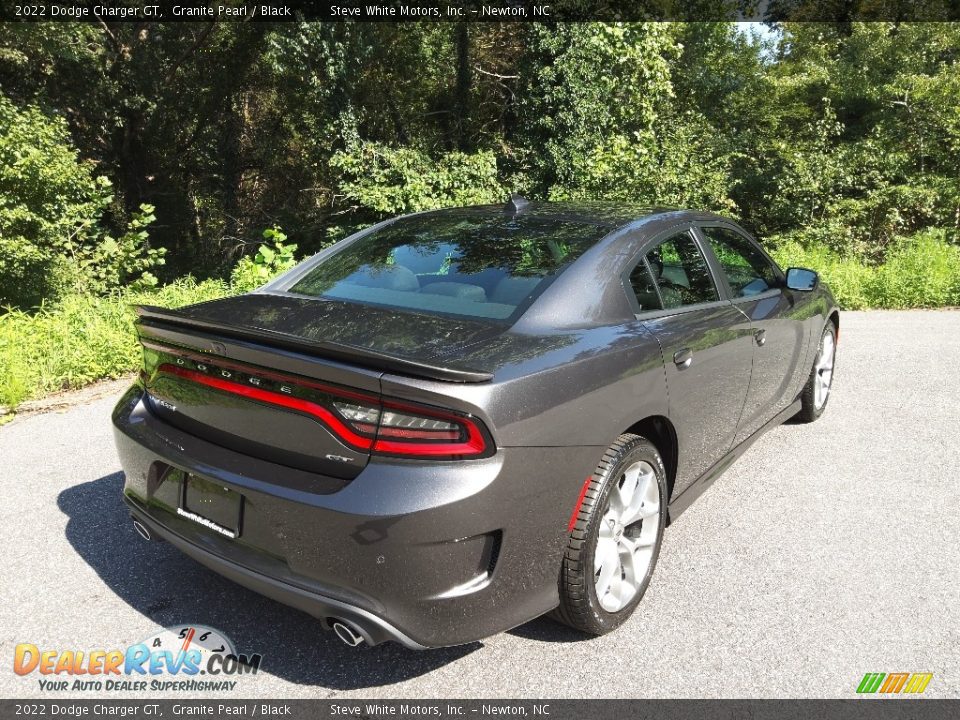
[(478, 11)]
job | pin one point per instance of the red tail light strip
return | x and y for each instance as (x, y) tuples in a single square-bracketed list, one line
[(475, 443), (305, 406), (260, 372)]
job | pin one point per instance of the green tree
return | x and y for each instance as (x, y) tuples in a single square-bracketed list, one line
[(160, 107), (47, 198), (857, 150), (601, 119), (51, 208)]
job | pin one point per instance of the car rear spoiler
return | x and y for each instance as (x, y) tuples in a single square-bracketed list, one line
[(150, 315)]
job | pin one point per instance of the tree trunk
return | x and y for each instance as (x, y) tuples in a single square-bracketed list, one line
[(464, 81)]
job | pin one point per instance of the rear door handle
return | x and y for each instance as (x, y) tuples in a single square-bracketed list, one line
[(683, 358), (761, 336)]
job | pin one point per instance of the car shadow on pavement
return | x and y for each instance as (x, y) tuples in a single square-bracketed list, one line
[(170, 589), (543, 629)]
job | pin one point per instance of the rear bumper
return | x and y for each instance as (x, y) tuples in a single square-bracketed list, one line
[(427, 554), (374, 629)]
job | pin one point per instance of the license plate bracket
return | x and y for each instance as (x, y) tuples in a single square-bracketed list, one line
[(211, 505)]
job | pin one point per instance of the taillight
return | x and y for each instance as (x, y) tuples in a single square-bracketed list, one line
[(364, 422), (414, 430), (427, 432), (397, 424), (364, 418)]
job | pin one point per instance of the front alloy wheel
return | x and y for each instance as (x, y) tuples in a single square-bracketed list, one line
[(823, 370), (816, 392), (613, 548)]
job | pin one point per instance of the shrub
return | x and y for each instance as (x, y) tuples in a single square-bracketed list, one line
[(51, 205), (47, 196), (124, 261), (81, 338), (389, 180), (270, 260), (921, 271)]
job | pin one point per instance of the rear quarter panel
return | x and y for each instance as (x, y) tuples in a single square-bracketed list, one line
[(577, 387), (564, 395)]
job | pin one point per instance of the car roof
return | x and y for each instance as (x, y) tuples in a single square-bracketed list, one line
[(611, 215), (626, 226), (619, 221)]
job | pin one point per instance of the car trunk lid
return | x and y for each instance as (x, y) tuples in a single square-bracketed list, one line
[(287, 379)]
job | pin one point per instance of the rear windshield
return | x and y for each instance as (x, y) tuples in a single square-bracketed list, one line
[(482, 267)]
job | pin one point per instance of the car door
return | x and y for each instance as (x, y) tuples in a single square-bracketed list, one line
[(706, 345), (755, 286)]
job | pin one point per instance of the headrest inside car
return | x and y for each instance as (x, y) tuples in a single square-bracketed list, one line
[(514, 290), (464, 291), (390, 277)]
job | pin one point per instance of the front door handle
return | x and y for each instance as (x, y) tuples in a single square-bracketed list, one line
[(761, 337), (683, 358)]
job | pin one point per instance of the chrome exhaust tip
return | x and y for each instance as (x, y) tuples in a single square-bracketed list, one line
[(347, 634), (142, 530)]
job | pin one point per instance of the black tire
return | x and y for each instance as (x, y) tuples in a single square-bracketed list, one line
[(809, 410), (579, 606)]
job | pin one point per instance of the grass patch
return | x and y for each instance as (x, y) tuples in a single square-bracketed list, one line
[(81, 339), (922, 271)]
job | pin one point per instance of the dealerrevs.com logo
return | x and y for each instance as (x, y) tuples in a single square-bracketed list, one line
[(187, 658)]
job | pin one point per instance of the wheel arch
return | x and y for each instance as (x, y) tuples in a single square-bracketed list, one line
[(834, 317), (659, 430)]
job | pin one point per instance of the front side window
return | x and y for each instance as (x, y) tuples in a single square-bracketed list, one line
[(678, 275), (747, 270), (479, 266)]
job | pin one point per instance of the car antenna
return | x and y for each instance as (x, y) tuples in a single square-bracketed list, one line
[(516, 204)]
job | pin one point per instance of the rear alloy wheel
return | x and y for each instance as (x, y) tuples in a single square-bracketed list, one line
[(816, 392), (615, 542)]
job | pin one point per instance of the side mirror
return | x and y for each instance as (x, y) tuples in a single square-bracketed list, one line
[(801, 279)]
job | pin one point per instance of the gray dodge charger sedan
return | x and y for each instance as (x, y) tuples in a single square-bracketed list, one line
[(453, 422)]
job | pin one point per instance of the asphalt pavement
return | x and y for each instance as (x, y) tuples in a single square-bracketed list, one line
[(827, 551)]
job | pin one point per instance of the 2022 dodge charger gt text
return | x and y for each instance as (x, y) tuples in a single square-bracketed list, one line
[(453, 422)]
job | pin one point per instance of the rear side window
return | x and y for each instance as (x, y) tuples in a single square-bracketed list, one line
[(458, 264), (747, 270), (648, 297), (678, 275)]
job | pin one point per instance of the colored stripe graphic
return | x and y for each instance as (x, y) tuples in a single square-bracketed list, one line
[(918, 682), (870, 682), (894, 682)]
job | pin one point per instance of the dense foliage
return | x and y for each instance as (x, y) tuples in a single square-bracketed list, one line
[(836, 136), (51, 240), (124, 146)]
